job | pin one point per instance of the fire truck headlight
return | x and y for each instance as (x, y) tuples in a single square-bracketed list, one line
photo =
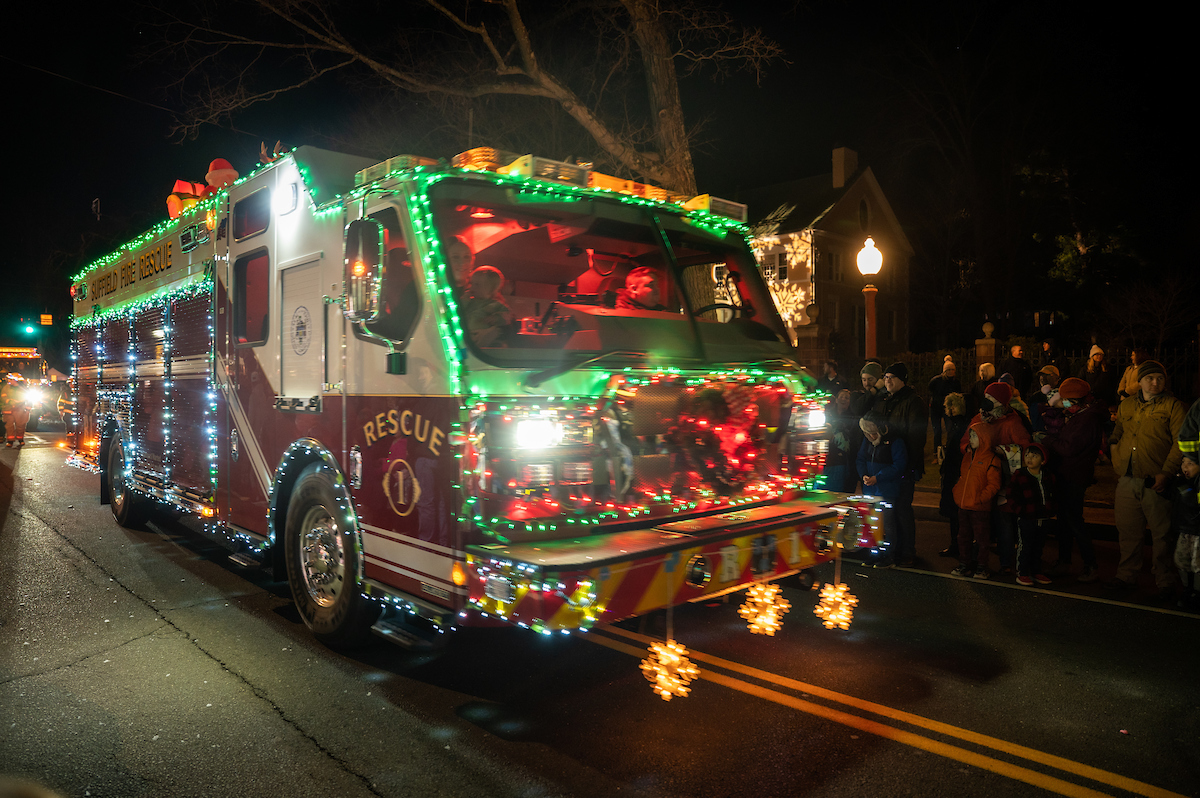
[(536, 433), (815, 418), (33, 396)]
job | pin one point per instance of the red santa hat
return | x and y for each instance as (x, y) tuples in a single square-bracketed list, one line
[(221, 174)]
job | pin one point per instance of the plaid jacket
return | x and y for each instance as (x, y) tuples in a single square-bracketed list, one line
[(1026, 499)]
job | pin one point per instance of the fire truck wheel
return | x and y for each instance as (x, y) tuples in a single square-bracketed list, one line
[(128, 507), (323, 559)]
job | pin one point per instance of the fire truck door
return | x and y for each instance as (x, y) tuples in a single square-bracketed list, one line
[(302, 334)]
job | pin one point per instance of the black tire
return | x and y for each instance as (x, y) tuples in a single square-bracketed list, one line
[(33, 424), (323, 560), (129, 507)]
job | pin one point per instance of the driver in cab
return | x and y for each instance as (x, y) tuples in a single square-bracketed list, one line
[(640, 291)]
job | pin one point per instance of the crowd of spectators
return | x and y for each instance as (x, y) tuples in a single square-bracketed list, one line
[(1017, 453)]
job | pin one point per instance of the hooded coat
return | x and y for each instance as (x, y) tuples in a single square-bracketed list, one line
[(979, 477)]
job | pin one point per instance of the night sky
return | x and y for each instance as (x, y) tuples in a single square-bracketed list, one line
[(1106, 93)]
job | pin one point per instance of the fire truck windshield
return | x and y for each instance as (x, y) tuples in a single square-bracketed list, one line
[(540, 271)]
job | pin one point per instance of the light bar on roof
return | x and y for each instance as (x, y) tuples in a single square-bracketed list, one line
[(546, 169), (385, 168), (721, 207)]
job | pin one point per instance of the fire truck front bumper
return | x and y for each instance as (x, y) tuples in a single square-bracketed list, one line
[(577, 583)]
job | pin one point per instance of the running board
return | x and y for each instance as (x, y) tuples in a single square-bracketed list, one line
[(244, 560), (404, 636)]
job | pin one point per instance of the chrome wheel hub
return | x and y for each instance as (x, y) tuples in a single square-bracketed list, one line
[(322, 556)]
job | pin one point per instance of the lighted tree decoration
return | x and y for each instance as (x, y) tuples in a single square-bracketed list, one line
[(764, 608), (668, 669), (836, 605)]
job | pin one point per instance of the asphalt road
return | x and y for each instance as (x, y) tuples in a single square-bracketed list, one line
[(145, 663)]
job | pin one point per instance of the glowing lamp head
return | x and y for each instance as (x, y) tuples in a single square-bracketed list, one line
[(870, 260)]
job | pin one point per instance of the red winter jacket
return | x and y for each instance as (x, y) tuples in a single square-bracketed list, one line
[(979, 481)]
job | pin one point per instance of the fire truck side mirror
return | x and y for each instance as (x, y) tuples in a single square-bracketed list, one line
[(364, 257)]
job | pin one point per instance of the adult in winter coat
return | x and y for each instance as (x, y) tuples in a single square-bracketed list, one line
[(1074, 420), (1145, 455), (987, 375), (939, 388), (16, 411), (871, 377), (956, 430), (844, 440), (881, 460), (1016, 365), (906, 416), (1100, 376), (1129, 384)]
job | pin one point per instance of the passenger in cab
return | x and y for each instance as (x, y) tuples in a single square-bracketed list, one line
[(640, 291), (462, 261), (486, 313)]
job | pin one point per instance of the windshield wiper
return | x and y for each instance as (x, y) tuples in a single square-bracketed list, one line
[(537, 378)]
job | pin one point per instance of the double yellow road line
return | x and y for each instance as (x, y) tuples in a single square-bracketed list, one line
[(865, 724)]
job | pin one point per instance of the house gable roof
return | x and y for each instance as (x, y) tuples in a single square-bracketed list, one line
[(812, 199)]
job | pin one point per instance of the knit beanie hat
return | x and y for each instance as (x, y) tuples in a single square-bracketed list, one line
[(1151, 367), (874, 369), (1038, 447), (948, 364), (1000, 391), (898, 370), (1074, 388), (1051, 370), (1095, 350)]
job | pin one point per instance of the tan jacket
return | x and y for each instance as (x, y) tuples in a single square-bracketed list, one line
[(1129, 385), (1144, 440)]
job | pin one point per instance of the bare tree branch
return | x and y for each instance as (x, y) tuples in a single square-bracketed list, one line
[(487, 50)]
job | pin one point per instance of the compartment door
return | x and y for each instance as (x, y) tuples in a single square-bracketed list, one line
[(302, 332)]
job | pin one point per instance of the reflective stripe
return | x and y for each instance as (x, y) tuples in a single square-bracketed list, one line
[(1189, 446)]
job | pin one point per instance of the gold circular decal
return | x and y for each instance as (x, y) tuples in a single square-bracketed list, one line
[(401, 487)]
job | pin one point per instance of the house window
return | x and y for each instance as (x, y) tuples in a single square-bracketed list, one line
[(835, 266), (781, 267), (837, 308)]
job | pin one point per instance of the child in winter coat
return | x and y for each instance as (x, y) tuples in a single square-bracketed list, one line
[(1185, 521), (977, 486), (1031, 499), (881, 463)]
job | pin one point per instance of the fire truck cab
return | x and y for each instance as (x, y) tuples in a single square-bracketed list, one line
[(501, 388)]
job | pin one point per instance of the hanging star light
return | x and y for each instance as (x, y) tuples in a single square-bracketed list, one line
[(669, 670), (836, 607), (764, 608)]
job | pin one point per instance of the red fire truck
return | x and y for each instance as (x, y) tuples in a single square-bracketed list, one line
[(436, 394)]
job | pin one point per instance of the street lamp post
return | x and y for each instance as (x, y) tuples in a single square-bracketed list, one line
[(870, 260)]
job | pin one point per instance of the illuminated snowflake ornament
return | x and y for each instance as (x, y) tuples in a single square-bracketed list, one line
[(836, 607), (668, 669), (764, 608)]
